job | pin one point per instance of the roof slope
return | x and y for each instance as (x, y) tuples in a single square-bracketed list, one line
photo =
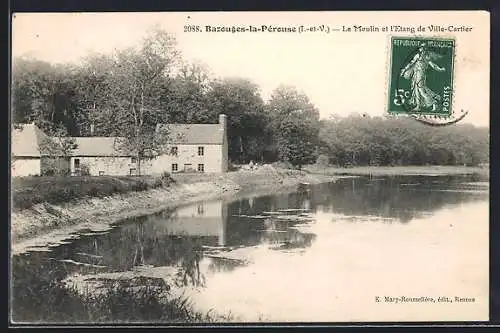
[(99, 146), (192, 133), (28, 140)]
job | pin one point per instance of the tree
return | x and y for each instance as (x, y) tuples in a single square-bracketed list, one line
[(296, 143), (138, 76), (294, 122), (361, 140), (185, 99), (240, 100), (94, 82), (43, 93)]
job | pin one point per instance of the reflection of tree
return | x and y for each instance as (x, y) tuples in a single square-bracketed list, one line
[(190, 266), (139, 245), (145, 243), (243, 230), (403, 198)]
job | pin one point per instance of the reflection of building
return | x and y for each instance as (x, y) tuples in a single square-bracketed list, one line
[(203, 219)]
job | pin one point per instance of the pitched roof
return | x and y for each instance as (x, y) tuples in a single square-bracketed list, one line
[(99, 146), (28, 140), (193, 133)]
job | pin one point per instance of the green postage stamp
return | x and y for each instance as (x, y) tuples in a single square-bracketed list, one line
[(421, 76)]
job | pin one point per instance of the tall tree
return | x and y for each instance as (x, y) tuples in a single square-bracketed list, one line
[(94, 84), (138, 76), (43, 93), (294, 121), (240, 100), (186, 99)]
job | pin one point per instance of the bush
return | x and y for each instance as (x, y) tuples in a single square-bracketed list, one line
[(48, 172), (140, 185), (158, 183)]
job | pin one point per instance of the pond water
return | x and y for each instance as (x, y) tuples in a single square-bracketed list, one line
[(343, 251)]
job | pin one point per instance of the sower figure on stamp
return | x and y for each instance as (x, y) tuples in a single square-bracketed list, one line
[(415, 71)]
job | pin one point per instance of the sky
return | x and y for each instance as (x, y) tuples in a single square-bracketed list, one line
[(341, 72)]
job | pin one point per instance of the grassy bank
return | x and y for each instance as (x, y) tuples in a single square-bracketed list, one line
[(29, 191), (398, 170), (50, 223)]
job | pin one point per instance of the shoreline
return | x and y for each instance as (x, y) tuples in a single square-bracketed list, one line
[(432, 170), (46, 225)]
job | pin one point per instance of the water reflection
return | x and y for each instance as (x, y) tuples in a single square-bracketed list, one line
[(401, 198), (188, 237)]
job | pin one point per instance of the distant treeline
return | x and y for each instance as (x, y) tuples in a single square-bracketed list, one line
[(359, 140), (128, 92)]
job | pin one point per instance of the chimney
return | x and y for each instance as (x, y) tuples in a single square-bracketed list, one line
[(92, 129), (223, 122)]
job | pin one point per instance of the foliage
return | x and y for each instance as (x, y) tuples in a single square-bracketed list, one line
[(127, 93), (362, 140), (240, 100), (295, 120)]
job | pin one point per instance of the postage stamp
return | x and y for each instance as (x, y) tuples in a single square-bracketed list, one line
[(421, 76)]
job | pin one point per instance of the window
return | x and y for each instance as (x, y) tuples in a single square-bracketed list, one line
[(200, 151), (173, 151), (101, 173), (201, 209), (133, 160), (77, 167), (175, 167), (133, 171), (201, 167)]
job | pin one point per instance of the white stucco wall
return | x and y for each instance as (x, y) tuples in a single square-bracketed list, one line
[(212, 159), (23, 167), (112, 166)]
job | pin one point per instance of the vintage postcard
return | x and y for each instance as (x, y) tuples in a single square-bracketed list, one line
[(250, 167)]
